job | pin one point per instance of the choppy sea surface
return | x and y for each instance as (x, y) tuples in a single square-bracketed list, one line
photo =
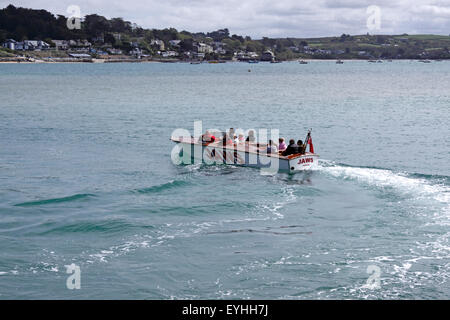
[(86, 178)]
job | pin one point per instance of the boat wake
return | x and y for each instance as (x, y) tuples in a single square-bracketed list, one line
[(427, 197), (417, 186)]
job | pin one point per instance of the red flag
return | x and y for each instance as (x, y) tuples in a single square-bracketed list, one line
[(311, 147)]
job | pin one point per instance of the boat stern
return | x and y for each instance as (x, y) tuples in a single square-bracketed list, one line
[(307, 161)]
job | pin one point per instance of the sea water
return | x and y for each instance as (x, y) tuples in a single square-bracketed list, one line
[(86, 178)]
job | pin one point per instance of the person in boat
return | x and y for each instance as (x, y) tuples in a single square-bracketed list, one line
[(251, 136), (281, 145), (300, 145), (226, 139), (207, 137), (292, 148), (271, 147), (232, 133)]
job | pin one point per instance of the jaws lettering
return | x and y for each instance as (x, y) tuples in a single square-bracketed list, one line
[(305, 160)]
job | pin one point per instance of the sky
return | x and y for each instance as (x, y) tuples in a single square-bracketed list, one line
[(271, 18)]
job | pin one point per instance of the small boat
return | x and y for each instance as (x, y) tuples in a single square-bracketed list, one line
[(275, 61), (371, 60), (303, 62), (339, 62), (425, 61), (189, 150), (196, 62), (253, 61), (379, 61)]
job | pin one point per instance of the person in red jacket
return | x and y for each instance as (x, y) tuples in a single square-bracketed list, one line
[(207, 137)]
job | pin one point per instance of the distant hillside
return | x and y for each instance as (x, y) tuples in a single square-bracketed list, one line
[(21, 23), (29, 24)]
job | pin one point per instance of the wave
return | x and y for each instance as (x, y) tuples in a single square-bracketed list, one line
[(162, 187), (268, 230), (74, 197), (109, 226)]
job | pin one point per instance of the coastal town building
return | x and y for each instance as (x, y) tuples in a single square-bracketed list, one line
[(35, 45), (203, 48), (245, 56), (175, 43), (169, 54), (136, 52), (267, 56), (61, 44), (99, 39), (114, 51), (159, 44), (10, 44)]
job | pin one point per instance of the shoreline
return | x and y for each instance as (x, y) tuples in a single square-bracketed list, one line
[(94, 61)]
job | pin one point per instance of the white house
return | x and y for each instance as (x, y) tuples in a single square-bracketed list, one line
[(167, 54), (114, 51), (158, 43), (32, 45), (220, 51), (10, 44), (61, 44), (204, 48)]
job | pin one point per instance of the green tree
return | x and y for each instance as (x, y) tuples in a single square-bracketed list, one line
[(109, 38), (96, 25)]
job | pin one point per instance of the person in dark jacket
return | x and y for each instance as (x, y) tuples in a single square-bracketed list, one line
[(292, 148), (251, 136), (300, 145)]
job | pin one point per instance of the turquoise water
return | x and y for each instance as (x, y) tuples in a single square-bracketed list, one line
[(86, 178)]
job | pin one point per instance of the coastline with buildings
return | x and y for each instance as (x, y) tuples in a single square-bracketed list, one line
[(115, 40)]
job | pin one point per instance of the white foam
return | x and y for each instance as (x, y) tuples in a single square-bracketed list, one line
[(416, 188)]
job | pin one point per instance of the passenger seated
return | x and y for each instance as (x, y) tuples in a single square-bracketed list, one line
[(271, 147), (251, 136), (207, 137), (281, 145), (226, 139), (300, 145), (232, 133), (292, 148)]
